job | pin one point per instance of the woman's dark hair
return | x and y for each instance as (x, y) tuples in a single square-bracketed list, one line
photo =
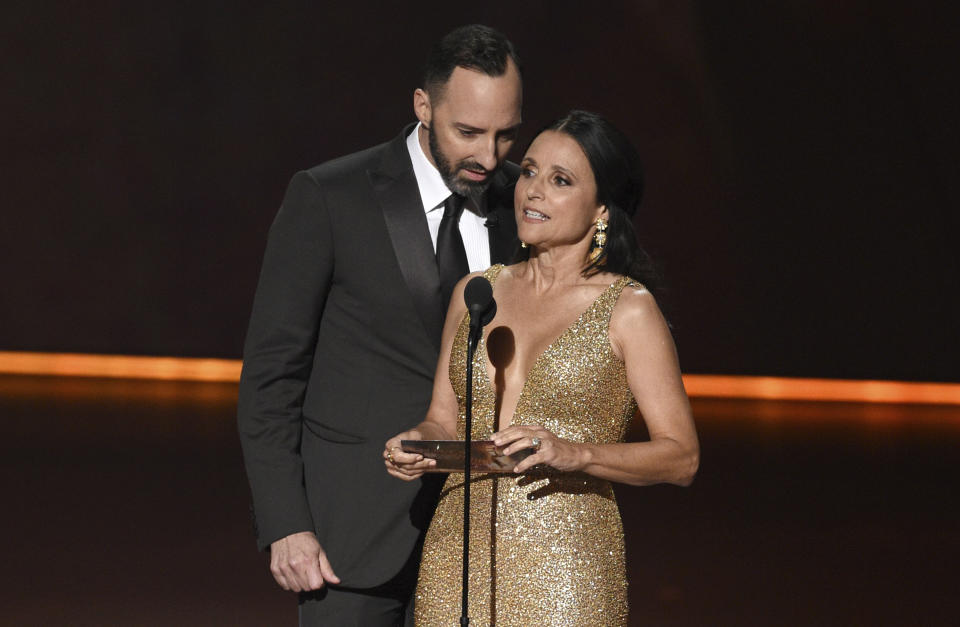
[(619, 177), (475, 47)]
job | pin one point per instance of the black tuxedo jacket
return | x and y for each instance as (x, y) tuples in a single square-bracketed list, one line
[(340, 355)]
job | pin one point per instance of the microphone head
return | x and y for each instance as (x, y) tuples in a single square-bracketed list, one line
[(477, 294)]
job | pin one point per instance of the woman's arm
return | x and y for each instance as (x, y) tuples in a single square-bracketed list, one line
[(639, 335), (440, 422)]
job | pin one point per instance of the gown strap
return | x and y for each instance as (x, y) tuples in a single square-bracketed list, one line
[(608, 299), (493, 272)]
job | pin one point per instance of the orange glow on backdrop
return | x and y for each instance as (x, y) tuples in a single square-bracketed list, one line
[(120, 366), (839, 390), (698, 385)]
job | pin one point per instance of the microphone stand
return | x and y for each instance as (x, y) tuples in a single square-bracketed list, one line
[(472, 339), (478, 296)]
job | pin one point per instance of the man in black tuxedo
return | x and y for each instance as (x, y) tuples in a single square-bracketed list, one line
[(345, 331)]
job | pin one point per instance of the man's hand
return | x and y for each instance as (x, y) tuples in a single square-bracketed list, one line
[(298, 563)]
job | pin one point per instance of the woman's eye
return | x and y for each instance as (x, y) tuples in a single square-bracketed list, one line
[(561, 181), (526, 172)]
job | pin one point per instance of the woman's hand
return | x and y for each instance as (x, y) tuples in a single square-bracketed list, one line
[(406, 466), (550, 450)]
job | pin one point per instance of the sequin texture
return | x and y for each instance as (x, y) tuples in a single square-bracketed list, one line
[(546, 548)]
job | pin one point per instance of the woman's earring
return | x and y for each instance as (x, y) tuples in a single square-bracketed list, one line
[(523, 244), (599, 239)]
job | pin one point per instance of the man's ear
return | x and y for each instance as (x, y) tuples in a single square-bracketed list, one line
[(422, 108)]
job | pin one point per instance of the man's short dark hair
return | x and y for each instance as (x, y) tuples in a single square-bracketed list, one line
[(475, 47)]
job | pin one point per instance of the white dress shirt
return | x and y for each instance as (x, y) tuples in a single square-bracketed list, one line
[(433, 193)]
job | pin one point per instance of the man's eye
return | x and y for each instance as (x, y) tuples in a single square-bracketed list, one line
[(467, 133)]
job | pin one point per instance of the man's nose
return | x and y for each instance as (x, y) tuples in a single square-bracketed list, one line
[(487, 156)]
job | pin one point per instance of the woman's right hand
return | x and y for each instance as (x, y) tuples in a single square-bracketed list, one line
[(406, 466)]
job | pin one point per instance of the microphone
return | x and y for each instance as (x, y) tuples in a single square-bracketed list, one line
[(478, 296)]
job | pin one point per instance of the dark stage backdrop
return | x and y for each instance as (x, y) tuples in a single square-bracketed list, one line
[(801, 160)]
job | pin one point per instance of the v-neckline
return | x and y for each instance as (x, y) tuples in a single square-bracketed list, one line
[(487, 364)]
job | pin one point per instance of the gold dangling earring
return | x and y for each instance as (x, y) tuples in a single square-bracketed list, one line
[(599, 239)]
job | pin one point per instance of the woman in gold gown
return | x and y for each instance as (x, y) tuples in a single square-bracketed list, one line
[(578, 345)]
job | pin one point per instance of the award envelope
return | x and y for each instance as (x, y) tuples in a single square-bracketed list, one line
[(484, 456)]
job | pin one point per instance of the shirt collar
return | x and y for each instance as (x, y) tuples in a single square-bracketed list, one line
[(433, 191)]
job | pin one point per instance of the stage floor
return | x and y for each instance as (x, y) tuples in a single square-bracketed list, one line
[(125, 503)]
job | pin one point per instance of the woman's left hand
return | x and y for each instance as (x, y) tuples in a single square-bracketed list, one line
[(549, 449)]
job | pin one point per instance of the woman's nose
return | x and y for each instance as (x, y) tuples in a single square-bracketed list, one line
[(533, 189)]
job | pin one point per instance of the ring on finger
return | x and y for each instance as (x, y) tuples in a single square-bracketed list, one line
[(536, 442)]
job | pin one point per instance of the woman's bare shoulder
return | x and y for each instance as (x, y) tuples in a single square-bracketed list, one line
[(636, 310)]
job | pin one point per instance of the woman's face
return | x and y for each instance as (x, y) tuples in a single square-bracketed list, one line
[(555, 200)]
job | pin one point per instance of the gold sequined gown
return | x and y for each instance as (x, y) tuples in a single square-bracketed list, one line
[(545, 548)]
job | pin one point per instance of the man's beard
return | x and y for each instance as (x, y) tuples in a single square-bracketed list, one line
[(449, 173)]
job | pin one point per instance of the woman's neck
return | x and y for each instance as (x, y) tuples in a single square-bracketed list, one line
[(560, 267)]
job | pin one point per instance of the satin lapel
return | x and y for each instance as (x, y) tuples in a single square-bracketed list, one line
[(395, 187), (501, 223)]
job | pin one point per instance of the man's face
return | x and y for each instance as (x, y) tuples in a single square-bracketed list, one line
[(469, 132)]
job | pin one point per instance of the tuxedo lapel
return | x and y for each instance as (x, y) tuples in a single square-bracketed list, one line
[(395, 187)]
